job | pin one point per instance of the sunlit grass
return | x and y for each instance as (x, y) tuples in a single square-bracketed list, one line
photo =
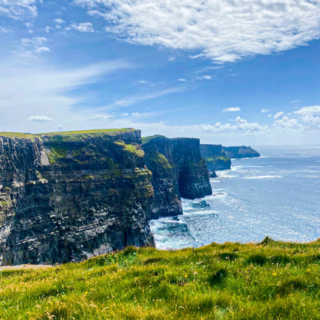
[(270, 280)]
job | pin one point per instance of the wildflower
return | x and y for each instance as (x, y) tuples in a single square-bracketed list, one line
[(186, 276), (309, 271), (274, 274), (86, 292)]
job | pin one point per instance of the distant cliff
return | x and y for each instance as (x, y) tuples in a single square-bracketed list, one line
[(178, 171), (215, 157), (240, 152), (69, 196)]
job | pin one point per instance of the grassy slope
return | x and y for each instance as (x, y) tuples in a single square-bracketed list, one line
[(65, 135), (271, 280)]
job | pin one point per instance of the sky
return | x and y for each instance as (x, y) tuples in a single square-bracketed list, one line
[(232, 72)]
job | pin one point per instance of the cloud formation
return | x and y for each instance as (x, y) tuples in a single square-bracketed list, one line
[(231, 109), (82, 27), (40, 119), (18, 9), (223, 31), (278, 115)]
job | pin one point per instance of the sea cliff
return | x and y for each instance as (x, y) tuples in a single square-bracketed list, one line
[(178, 171), (215, 157), (69, 196), (240, 152)]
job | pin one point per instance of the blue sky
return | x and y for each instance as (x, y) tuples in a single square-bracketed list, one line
[(231, 72)]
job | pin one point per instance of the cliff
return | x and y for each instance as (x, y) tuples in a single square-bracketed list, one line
[(215, 157), (178, 171), (240, 152), (71, 195)]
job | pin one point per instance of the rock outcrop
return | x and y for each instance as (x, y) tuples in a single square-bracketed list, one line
[(178, 171), (215, 157), (69, 196), (241, 152)]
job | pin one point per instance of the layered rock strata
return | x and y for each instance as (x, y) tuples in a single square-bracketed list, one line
[(215, 157), (178, 171), (69, 196), (241, 152)]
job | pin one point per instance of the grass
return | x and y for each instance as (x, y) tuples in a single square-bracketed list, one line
[(148, 139), (270, 280), (160, 160), (65, 136), (18, 135), (134, 149), (218, 158)]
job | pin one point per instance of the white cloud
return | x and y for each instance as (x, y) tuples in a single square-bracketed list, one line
[(231, 109), (264, 110), (40, 119), (34, 44), (279, 115), (209, 68), (18, 9), (31, 88), (286, 123), (222, 31), (182, 80), (308, 110), (143, 81), (295, 101), (4, 30), (207, 77), (47, 29), (82, 27), (172, 59), (128, 101), (59, 21), (41, 49)]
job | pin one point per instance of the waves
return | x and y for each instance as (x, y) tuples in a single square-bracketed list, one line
[(273, 195)]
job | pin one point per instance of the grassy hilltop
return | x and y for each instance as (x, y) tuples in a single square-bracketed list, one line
[(270, 280)]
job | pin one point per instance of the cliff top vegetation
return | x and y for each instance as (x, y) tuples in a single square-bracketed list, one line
[(66, 135), (148, 139), (268, 280)]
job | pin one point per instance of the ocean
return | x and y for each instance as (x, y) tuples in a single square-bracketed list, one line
[(276, 195)]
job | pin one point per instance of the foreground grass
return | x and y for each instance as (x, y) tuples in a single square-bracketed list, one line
[(270, 280)]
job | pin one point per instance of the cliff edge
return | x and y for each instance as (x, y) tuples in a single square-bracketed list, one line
[(68, 196), (215, 157), (178, 171), (241, 152)]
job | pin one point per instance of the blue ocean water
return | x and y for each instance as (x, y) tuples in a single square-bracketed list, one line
[(277, 195)]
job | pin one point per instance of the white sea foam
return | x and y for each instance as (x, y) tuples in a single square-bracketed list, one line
[(263, 177)]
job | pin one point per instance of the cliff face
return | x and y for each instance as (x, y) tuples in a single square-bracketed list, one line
[(68, 196), (178, 171), (241, 152), (215, 157)]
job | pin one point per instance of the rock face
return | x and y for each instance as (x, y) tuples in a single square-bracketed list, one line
[(241, 152), (215, 157), (68, 196), (178, 171)]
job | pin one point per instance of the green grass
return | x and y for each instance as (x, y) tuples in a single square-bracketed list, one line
[(72, 136), (134, 149), (147, 139), (65, 136), (160, 160), (18, 135), (218, 158), (270, 280)]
